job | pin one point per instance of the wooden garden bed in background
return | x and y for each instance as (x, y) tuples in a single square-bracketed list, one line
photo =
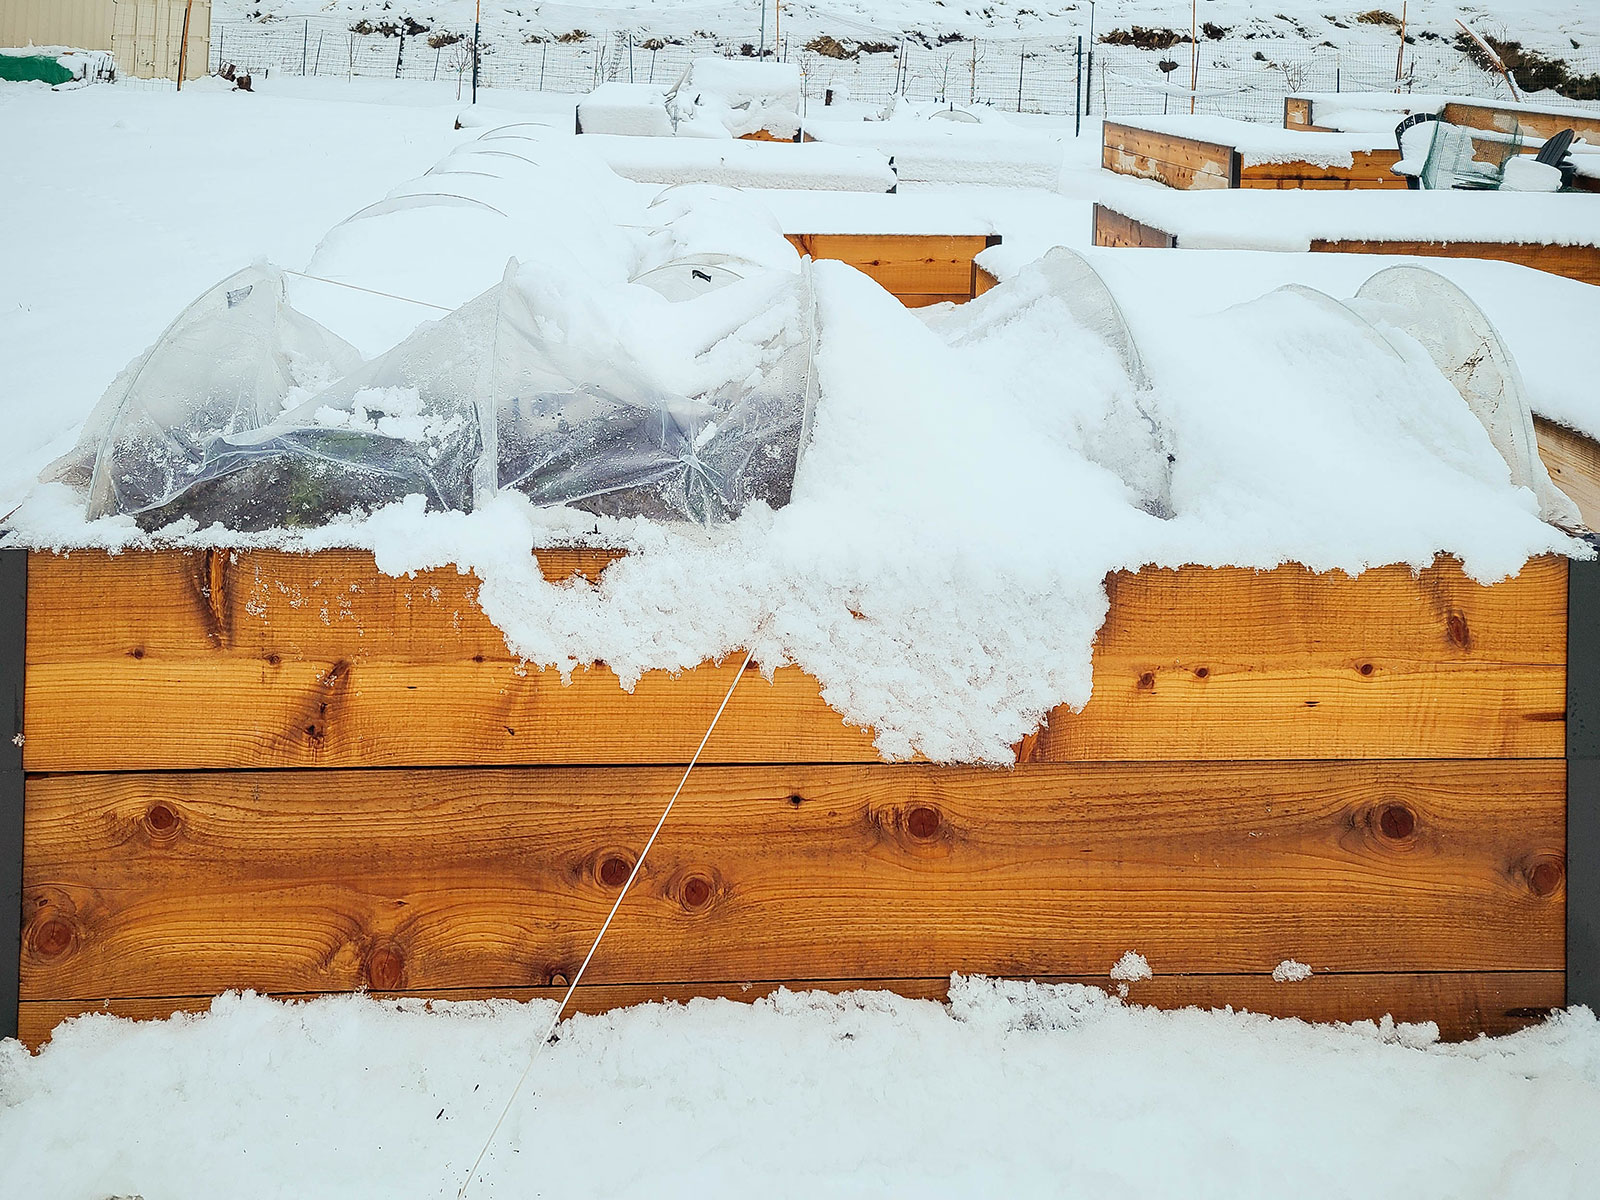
[(1190, 164), (1580, 262), (298, 775)]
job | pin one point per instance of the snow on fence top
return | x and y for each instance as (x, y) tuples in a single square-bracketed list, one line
[(921, 513)]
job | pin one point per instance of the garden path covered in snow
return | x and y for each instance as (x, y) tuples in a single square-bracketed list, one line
[(1011, 1089)]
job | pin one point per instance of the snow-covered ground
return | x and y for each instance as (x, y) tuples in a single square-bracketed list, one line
[(1012, 1090)]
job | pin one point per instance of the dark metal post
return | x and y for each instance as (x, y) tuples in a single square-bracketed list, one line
[(13, 639), (474, 62), (1077, 92), (1583, 783)]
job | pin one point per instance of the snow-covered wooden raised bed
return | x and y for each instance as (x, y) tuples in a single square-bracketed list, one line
[(297, 774), (1196, 153), (1554, 233)]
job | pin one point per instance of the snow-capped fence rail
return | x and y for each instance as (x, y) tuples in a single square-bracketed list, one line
[(299, 775), (1239, 77)]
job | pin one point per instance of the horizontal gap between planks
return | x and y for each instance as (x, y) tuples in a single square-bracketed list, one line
[(444, 993), (784, 764)]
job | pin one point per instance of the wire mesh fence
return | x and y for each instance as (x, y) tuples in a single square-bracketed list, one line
[(1245, 78)]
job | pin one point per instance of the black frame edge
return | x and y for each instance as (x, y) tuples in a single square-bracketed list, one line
[(13, 648), (1583, 783)]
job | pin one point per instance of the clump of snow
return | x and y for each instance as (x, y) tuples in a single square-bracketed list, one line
[(1290, 971), (1131, 968), (1010, 1088)]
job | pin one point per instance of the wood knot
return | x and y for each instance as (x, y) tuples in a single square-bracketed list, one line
[(1396, 822), (273, 660), (161, 821), (386, 968), (796, 800), (1365, 668), (1147, 682), (1545, 876), (614, 870), (695, 892), (136, 652), (1455, 628), (922, 822), (52, 937), (1202, 672), (557, 979)]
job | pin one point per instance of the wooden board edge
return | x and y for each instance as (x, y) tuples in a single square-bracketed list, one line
[(1463, 1004)]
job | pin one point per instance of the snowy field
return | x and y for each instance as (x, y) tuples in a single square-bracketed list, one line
[(940, 568)]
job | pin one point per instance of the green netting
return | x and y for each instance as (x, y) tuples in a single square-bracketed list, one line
[(25, 68)]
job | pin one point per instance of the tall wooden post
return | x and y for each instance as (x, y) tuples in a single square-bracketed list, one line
[(183, 44)]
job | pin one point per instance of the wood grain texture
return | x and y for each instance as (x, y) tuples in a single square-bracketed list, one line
[(1462, 1004), (1297, 113), (1505, 120), (1574, 465), (909, 266), (309, 881), (1179, 162), (1368, 170), (1227, 663), (323, 661), (1575, 262), (1112, 228)]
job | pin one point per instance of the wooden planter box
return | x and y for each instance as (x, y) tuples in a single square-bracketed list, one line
[(1300, 112), (298, 775), (1190, 164), (1580, 262)]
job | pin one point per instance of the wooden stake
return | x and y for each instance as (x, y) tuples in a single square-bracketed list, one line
[(1194, 52), (183, 44), (1400, 58), (1498, 62)]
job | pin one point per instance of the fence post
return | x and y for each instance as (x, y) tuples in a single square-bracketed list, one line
[(13, 644), (317, 68), (1077, 91), (544, 57), (630, 56), (1022, 58), (1583, 784), (475, 62), (400, 54), (1088, 92), (305, 46)]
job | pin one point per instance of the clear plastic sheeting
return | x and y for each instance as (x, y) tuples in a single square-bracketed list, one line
[(497, 395), (600, 436), (1469, 352), (229, 364)]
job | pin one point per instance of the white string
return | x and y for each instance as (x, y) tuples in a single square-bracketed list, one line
[(370, 291), (622, 895)]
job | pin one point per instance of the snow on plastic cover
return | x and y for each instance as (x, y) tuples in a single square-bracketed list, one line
[(1129, 439), (1469, 352), (220, 423)]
